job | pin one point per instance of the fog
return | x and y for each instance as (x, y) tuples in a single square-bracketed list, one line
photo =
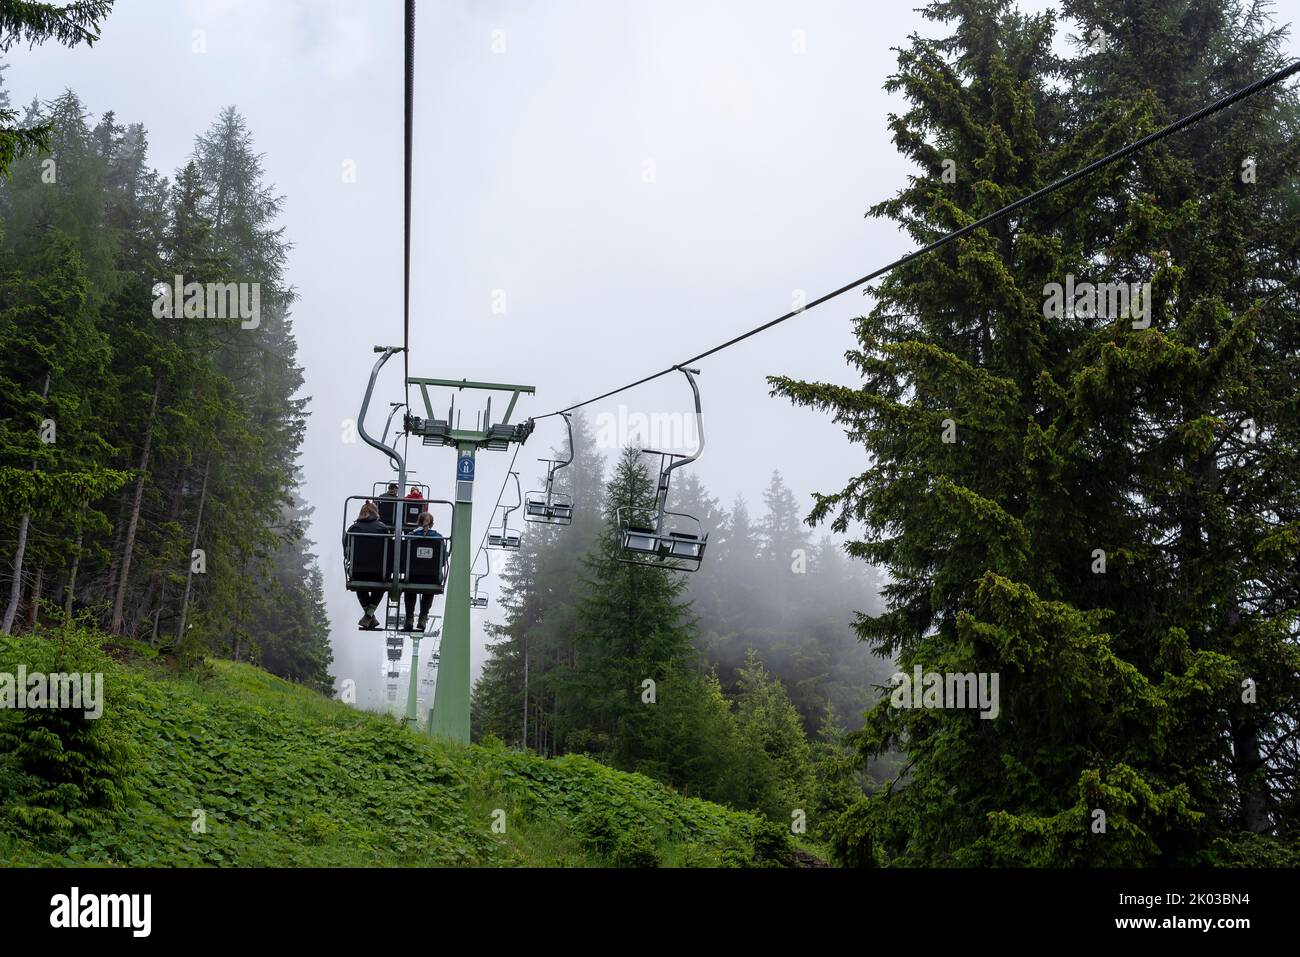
[(601, 189)]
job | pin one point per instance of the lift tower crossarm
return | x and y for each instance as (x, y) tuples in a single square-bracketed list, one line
[(460, 384)]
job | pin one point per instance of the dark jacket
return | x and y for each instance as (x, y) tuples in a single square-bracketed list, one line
[(372, 525)]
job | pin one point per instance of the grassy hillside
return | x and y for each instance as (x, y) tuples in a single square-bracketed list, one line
[(280, 776)]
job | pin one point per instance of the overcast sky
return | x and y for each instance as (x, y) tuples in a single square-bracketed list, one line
[(634, 181)]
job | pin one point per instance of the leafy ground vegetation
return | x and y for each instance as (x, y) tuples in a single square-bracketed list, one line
[(232, 766)]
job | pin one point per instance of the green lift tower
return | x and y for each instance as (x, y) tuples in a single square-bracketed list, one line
[(449, 715)]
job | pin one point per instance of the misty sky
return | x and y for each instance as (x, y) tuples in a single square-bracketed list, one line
[(636, 182)]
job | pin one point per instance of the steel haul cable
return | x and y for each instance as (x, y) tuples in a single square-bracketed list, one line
[(1122, 153), (1174, 127), (406, 198)]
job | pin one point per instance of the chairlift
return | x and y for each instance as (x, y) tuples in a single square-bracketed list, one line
[(506, 539), (422, 562), (370, 563), (476, 600), (550, 507), (391, 505), (645, 537)]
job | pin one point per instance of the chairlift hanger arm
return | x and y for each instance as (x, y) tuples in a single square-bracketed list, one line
[(388, 352), (699, 419), (390, 451), (392, 412), (556, 466), (519, 495), (519, 500)]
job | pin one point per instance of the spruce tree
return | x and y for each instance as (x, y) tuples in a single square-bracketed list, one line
[(632, 629), (1040, 483)]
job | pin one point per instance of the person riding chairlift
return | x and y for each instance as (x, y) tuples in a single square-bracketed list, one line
[(425, 530), (368, 521), (388, 504)]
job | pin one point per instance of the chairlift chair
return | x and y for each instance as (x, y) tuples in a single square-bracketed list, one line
[(506, 539), (645, 537), (476, 600), (392, 505), (548, 506), (368, 557), (378, 561)]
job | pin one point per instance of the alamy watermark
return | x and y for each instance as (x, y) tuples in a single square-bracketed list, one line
[(670, 431), (129, 911), (209, 300), (74, 691), (1102, 300), (933, 689)]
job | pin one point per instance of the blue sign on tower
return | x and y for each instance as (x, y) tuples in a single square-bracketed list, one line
[(465, 468)]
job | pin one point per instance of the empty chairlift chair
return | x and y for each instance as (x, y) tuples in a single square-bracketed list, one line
[(548, 506), (654, 536), (476, 600), (505, 538)]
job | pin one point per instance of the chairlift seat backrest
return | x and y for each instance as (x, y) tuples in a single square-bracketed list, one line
[(387, 510), (509, 541), (368, 557), (641, 540), (412, 509), (423, 559)]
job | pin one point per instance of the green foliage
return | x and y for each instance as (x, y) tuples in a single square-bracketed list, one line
[(241, 768), (35, 22), (768, 723), (1011, 446), (635, 850), (589, 630), (169, 434), (64, 769)]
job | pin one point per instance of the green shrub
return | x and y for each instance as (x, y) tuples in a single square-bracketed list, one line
[(635, 849), (64, 766), (598, 830)]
